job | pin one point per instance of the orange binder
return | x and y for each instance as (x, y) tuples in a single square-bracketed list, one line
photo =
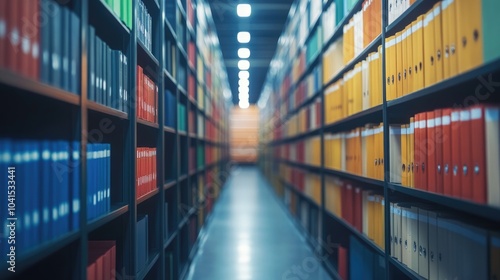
[(411, 151), (430, 168), (470, 34), (455, 152), (438, 144), (465, 154), (478, 143)]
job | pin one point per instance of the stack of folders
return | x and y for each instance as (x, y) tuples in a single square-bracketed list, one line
[(362, 209), (42, 190), (101, 259), (146, 171), (144, 26), (358, 90), (142, 246), (31, 45), (359, 152), (98, 180), (454, 152), (147, 97), (108, 74), (362, 29), (438, 245), (441, 44)]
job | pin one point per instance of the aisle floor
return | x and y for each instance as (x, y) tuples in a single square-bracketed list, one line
[(251, 237)]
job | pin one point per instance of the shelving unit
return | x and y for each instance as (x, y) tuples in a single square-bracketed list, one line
[(34, 110), (279, 105)]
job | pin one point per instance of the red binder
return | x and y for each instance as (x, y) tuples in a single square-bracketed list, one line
[(465, 169), (35, 41), (430, 166), (139, 92), (25, 22), (438, 151), (13, 39), (343, 265), (348, 203), (447, 165), (455, 153), (3, 38), (478, 143), (91, 271)]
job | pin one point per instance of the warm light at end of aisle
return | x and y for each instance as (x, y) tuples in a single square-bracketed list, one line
[(243, 89), (243, 64), (244, 75), (243, 37), (244, 104), (244, 10), (243, 83), (243, 52)]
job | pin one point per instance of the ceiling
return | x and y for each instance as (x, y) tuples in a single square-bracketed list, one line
[(265, 25)]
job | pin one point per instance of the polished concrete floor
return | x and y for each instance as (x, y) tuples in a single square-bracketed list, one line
[(251, 237)]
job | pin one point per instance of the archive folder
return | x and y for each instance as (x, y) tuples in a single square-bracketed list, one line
[(469, 34)]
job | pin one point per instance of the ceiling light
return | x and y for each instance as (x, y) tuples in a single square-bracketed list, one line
[(244, 75), (243, 37), (244, 53), (243, 64), (243, 83), (243, 89), (244, 10), (244, 105)]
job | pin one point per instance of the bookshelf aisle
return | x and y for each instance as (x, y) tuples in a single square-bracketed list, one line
[(380, 134), (118, 138)]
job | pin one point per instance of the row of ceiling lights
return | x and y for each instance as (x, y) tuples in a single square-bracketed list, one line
[(243, 10)]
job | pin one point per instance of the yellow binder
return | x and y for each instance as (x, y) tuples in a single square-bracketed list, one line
[(404, 61), (418, 53), (404, 155), (399, 66), (469, 34), (438, 42), (429, 59), (409, 57), (390, 67)]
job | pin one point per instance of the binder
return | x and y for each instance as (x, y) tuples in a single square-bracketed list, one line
[(444, 247), (438, 42), (469, 33), (404, 60), (418, 53), (399, 66), (398, 232), (466, 150), (404, 155), (390, 46), (411, 153), (455, 152), (409, 59), (492, 122), (395, 153), (406, 238), (429, 49), (450, 64), (447, 152), (433, 254), (430, 165), (413, 237), (478, 155), (423, 243), (438, 144), (417, 153)]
